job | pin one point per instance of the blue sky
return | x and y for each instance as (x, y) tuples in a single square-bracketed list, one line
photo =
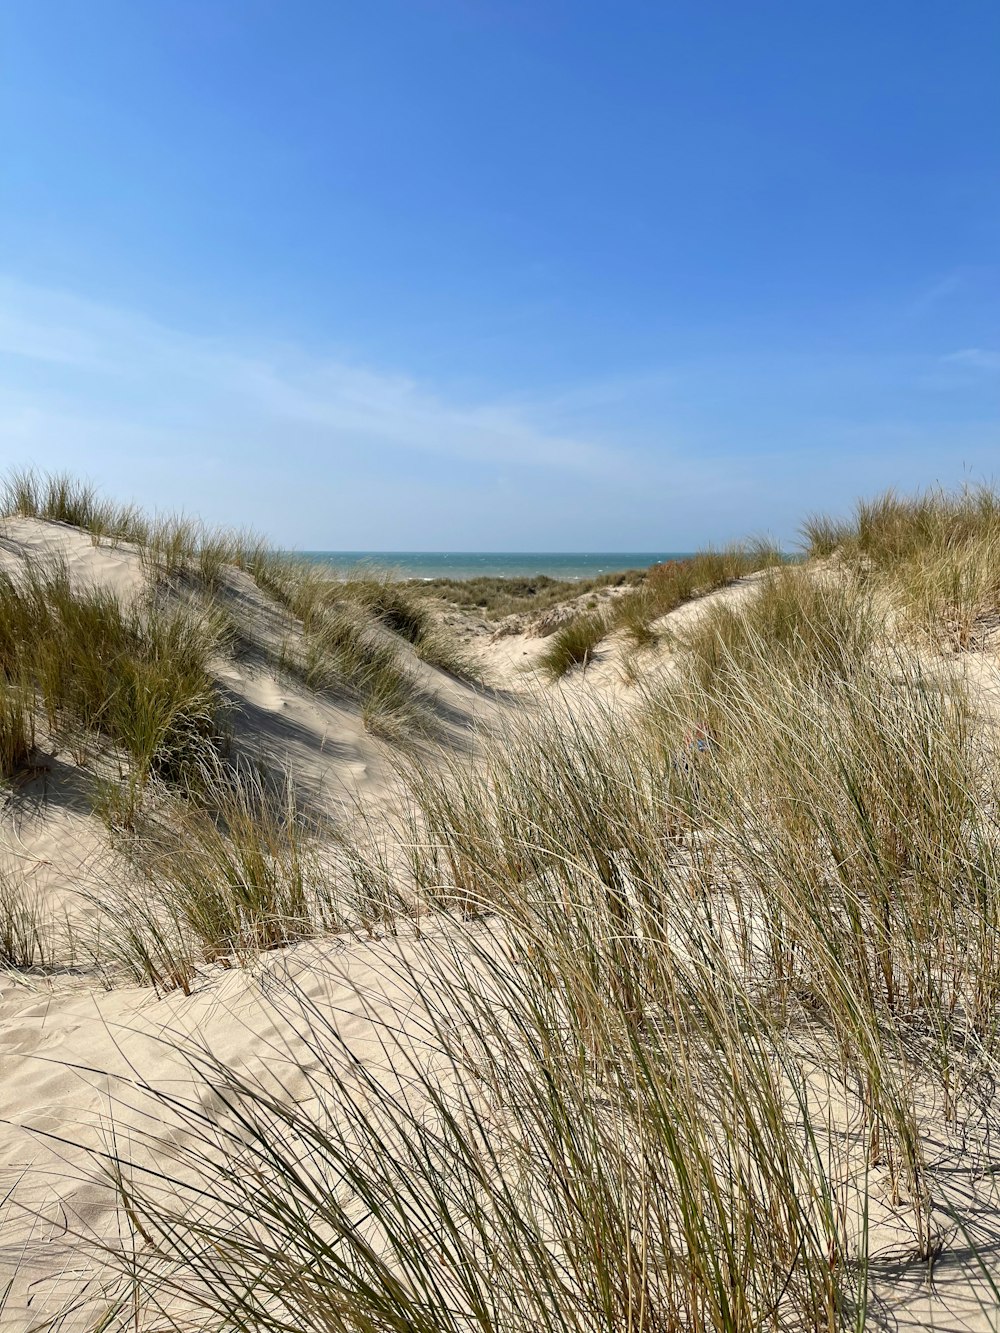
[(501, 274)]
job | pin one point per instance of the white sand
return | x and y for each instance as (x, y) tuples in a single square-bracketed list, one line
[(66, 1043)]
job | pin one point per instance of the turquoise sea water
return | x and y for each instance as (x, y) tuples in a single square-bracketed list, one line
[(493, 564)]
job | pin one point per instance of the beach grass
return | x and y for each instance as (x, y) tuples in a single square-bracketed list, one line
[(24, 933), (662, 964), (537, 1161), (662, 589), (219, 874), (794, 619), (61, 498), (351, 631), (136, 675), (936, 553), (675, 582), (17, 725), (687, 991), (573, 644)]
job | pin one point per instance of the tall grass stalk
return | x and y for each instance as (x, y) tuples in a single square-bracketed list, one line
[(220, 875), (24, 936), (17, 724), (135, 673), (936, 554), (512, 1162)]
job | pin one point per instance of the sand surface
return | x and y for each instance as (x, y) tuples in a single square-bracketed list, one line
[(72, 1051)]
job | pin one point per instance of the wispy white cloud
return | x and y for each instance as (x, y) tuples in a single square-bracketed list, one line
[(104, 362), (938, 290), (318, 450), (976, 358)]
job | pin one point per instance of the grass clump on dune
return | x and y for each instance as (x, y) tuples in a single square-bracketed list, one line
[(935, 555), (344, 651), (574, 643), (670, 585), (662, 589), (833, 829), (61, 498), (601, 1120), (240, 865), (396, 606), (185, 550), (17, 724), (793, 620), (592, 1125), (390, 603), (171, 546), (22, 925), (824, 535), (134, 674), (352, 634), (221, 874)]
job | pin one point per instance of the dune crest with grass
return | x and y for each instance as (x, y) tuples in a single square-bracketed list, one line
[(391, 957)]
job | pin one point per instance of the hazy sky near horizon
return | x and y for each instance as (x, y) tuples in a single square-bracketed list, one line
[(501, 274)]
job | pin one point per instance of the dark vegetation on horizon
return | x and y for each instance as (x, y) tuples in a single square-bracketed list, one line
[(497, 597)]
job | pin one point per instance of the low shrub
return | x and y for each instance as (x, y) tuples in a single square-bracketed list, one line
[(496, 598)]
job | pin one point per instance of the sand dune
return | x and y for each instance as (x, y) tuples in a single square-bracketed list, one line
[(79, 1047)]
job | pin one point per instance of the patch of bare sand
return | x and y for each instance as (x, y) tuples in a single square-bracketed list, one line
[(74, 1066), (513, 660), (90, 564)]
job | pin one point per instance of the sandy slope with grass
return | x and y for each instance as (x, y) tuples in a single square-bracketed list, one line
[(274, 721), (69, 1009), (443, 982)]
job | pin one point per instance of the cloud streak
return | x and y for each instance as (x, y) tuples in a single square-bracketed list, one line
[(318, 451), (977, 358), (105, 362)]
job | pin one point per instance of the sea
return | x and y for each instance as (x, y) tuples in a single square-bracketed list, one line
[(571, 565)]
